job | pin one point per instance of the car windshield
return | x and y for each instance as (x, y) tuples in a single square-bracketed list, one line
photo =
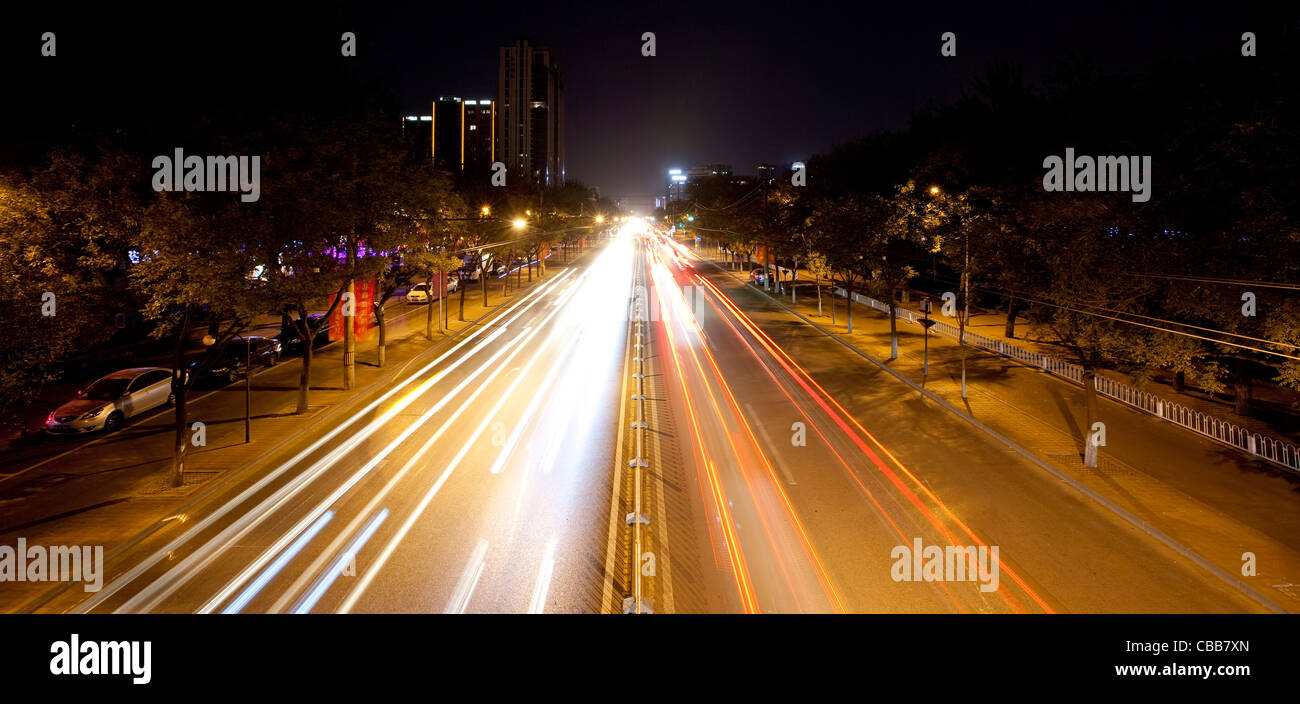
[(105, 389)]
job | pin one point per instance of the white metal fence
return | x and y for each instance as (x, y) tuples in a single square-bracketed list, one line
[(1260, 446)]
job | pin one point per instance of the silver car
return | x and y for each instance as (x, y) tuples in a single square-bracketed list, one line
[(105, 404)]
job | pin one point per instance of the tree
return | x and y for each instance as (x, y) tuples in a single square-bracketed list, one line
[(819, 267), (196, 265), (406, 232), (50, 292), (849, 232)]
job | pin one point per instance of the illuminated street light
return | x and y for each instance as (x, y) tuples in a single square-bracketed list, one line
[(486, 211), (934, 190), (600, 218), (520, 223)]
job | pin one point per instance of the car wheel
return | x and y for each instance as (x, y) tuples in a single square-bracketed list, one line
[(171, 400), (113, 422)]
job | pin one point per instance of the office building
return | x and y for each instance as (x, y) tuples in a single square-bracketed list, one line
[(530, 114), (462, 134)]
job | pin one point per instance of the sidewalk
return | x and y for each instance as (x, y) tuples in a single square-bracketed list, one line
[(1276, 409), (107, 489), (1210, 497)]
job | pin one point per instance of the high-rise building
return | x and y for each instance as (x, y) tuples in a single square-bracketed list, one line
[(530, 114), (680, 179), (457, 134), (462, 134), (417, 131)]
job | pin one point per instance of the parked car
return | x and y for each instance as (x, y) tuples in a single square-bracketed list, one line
[(231, 363), (109, 401), (424, 293), (759, 274), (291, 344)]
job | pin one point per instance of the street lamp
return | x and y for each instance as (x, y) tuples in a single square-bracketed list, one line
[(520, 223), (485, 210)]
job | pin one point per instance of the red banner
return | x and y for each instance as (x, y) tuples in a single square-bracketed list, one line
[(364, 308)]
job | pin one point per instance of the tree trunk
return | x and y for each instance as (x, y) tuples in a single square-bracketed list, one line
[(893, 327), (848, 297), (1180, 379), (832, 281), (304, 379), (819, 296), (428, 312), (1090, 451), (1010, 331), (349, 337), (1242, 388), (181, 418)]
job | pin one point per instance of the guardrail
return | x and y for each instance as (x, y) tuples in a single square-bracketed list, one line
[(1258, 445)]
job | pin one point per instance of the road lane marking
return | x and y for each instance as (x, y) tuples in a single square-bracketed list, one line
[(468, 580), (391, 547), (543, 585), (275, 567), (331, 573), (785, 471), (264, 510)]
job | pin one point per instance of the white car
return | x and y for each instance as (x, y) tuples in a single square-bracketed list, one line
[(105, 404), (424, 293), (421, 293)]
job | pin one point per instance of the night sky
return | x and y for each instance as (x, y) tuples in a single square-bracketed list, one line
[(738, 84)]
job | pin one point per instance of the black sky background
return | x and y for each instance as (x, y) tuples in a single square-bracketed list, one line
[(732, 83)]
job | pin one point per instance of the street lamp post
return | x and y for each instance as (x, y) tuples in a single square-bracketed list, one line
[(208, 341), (248, 390), (926, 324)]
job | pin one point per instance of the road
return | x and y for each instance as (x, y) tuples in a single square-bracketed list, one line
[(477, 484), (784, 475), (815, 467)]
